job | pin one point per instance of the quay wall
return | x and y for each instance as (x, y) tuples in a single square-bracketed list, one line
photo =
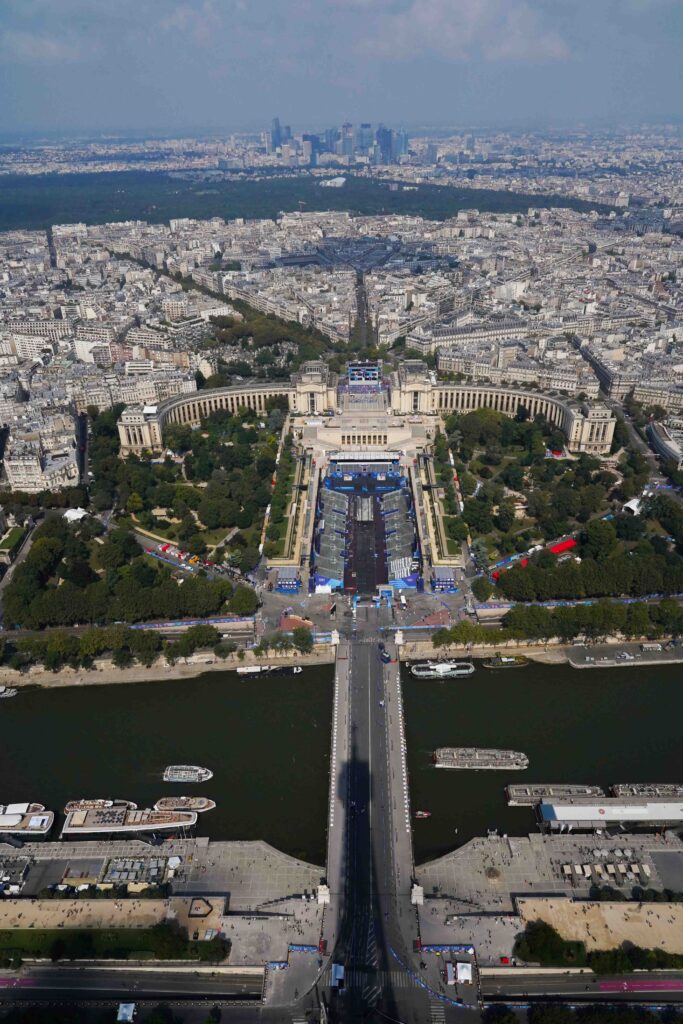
[(550, 652), (105, 673)]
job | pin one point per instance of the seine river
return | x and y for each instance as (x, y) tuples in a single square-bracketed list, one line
[(268, 744), (589, 726)]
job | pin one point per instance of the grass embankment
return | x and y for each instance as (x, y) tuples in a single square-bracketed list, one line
[(161, 942), (541, 943), (13, 539)]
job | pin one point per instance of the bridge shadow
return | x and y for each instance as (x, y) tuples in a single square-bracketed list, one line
[(368, 903)]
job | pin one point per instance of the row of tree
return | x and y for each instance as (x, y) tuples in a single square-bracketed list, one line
[(601, 619), (300, 640), (281, 495), (163, 941), (125, 646)]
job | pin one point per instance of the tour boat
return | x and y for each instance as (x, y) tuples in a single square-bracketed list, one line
[(186, 773)]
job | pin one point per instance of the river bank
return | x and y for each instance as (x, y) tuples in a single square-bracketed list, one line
[(579, 656), (416, 650), (105, 673)]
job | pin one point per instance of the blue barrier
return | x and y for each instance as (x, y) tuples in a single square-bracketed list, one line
[(446, 947)]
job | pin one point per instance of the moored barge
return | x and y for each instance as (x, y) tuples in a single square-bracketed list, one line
[(125, 821), (480, 758), (520, 795)]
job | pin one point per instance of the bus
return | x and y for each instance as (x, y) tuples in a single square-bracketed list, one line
[(650, 647), (337, 979)]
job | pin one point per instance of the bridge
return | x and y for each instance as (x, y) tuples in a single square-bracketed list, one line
[(371, 926)]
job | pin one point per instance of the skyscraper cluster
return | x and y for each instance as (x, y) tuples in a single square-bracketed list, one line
[(347, 142)]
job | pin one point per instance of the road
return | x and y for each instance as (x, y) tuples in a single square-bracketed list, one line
[(588, 987), (238, 631), (189, 993), (111, 983), (371, 848), (624, 655), (637, 442), (362, 309), (82, 434), (377, 915)]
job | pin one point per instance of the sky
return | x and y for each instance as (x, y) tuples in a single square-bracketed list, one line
[(190, 65)]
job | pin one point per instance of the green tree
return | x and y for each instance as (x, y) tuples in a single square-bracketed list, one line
[(302, 639), (134, 503), (599, 540), (243, 602), (482, 588), (248, 559)]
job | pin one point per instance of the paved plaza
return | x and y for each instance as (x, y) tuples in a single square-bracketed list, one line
[(471, 894)]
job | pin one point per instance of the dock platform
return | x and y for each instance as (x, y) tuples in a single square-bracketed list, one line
[(520, 795), (648, 789)]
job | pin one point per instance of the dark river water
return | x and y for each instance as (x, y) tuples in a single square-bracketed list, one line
[(267, 743), (593, 726)]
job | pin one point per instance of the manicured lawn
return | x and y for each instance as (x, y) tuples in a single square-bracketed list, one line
[(13, 539), (161, 942)]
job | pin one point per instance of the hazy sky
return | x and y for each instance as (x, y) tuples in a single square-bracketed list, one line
[(174, 66)]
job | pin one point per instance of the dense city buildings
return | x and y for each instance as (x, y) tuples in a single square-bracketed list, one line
[(416, 446), (130, 312)]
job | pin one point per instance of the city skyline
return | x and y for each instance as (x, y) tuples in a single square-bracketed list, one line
[(174, 68)]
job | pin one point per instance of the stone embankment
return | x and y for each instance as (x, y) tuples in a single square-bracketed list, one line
[(105, 672)]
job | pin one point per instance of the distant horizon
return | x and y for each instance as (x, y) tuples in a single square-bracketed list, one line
[(212, 131)]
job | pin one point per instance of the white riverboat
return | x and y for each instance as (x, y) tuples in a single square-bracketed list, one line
[(25, 821), (441, 669), (186, 773), (117, 821)]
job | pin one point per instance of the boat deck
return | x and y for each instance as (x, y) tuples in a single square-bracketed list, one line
[(35, 823), (113, 820), (535, 793), (476, 757), (663, 789)]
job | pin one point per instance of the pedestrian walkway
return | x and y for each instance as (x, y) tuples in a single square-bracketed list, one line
[(364, 979), (437, 1011)]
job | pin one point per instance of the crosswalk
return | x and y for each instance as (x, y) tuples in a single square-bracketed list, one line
[(359, 978), (437, 1012), (372, 955)]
